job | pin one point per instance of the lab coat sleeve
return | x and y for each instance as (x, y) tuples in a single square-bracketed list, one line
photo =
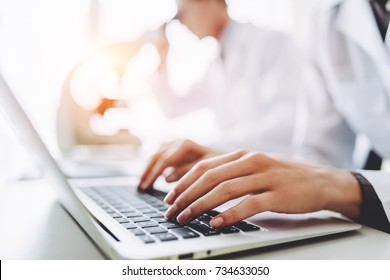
[(174, 105), (381, 182)]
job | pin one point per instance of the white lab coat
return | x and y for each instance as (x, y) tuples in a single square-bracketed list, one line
[(350, 91), (252, 90)]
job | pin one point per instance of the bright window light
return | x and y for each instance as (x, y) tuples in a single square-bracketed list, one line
[(42, 40)]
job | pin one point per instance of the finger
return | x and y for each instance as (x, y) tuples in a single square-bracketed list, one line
[(248, 207), (186, 193), (172, 156), (153, 161), (145, 181), (197, 171), (208, 181), (150, 166), (180, 171), (224, 192)]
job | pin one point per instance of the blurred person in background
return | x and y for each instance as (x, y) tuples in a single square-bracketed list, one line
[(349, 91), (251, 86), (348, 94), (254, 110)]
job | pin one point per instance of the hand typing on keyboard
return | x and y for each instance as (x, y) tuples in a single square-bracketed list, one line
[(273, 185)]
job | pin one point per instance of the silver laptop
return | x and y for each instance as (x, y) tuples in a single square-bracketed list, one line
[(126, 224)]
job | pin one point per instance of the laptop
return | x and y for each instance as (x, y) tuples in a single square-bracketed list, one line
[(126, 224)]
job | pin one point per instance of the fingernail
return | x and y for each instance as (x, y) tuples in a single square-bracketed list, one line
[(217, 222), (170, 197), (184, 217), (171, 212), (144, 185), (171, 178)]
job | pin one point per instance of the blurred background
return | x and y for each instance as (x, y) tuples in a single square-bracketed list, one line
[(42, 40)]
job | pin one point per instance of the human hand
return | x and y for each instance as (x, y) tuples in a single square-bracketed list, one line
[(178, 155), (273, 185)]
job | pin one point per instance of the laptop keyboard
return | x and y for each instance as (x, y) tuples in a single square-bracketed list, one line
[(142, 215)]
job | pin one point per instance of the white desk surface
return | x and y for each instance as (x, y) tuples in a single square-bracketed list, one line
[(35, 226)]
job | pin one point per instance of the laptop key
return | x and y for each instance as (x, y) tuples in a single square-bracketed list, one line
[(157, 203), (204, 218), (133, 215), (116, 215), (161, 220), (165, 236), (122, 220), (139, 219), (162, 208), (213, 213), (154, 215), (147, 210), (159, 195), (128, 211), (125, 209), (170, 225), (129, 226), (195, 222), (118, 205), (142, 206), (244, 226), (184, 232), (155, 230), (203, 229), (206, 222), (146, 239), (137, 232), (147, 224), (229, 230)]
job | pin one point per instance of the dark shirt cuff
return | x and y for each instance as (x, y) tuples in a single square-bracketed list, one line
[(372, 213)]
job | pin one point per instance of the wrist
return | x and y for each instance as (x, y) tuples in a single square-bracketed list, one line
[(343, 194)]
